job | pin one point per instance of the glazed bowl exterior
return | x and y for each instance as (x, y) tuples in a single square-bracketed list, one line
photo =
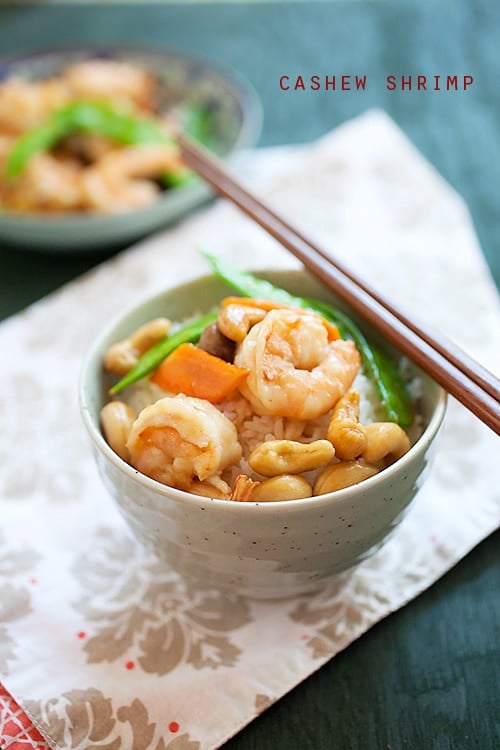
[(263, 550), (236, 116)]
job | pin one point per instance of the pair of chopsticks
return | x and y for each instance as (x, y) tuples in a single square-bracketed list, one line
[(460, 375)]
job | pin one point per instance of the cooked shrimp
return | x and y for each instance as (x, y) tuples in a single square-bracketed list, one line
[(47, 184), (110, 79), (294, 370), (117, 182), (181, 439), (26, 104)]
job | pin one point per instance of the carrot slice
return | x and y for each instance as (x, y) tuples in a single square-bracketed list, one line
[(267, 305), (197, 373)]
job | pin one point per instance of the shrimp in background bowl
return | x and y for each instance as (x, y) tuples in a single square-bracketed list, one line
[(126, 179), (26, 104)]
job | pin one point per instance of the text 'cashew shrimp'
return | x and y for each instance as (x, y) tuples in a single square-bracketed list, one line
[(180, 439), (295, 370)]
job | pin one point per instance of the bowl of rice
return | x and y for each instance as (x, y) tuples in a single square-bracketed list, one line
[(264, 498)]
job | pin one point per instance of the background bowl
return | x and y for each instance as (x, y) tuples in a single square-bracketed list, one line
[(235, 113), (261, 550)]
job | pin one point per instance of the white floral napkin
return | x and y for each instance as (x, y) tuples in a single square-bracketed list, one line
[(99, 643)]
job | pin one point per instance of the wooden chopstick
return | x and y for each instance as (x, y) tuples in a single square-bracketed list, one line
[(464, 378)]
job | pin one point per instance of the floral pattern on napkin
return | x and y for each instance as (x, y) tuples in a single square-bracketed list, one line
[(80, 717), (134, 603), (15, 595)]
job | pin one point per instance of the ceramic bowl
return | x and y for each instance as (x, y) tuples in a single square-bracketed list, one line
[(236, 116), (265, 550)]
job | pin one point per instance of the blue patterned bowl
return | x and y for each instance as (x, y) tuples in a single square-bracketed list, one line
[(236, 116)]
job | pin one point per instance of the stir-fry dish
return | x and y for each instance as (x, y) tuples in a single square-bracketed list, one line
[(269, 397), (90, 139)]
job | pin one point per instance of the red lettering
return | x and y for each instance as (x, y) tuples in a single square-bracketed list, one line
[(315, 83), (346, 83), (390, 83), (451, 82), (329, 81), (421, 83), (405, 83), (299, 84), (468, 81), (282, 83), (436, 85), (360, 82)]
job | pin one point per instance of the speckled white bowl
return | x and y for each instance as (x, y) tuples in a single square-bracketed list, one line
[(265, 550)]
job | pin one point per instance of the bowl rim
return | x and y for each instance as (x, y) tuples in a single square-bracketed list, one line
[(271, 506), (252, 119)]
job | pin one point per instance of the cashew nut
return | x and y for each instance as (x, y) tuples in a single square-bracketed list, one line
[(290, 457), (385, 440), (122, 356), (234, 321), (284, 487), (344, 431), (343, 474), (116, 421)]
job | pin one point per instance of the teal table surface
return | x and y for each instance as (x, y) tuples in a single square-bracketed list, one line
[(427, 677)]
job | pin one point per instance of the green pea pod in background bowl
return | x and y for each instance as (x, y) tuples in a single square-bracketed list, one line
[(95, 117), (214, 106)]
